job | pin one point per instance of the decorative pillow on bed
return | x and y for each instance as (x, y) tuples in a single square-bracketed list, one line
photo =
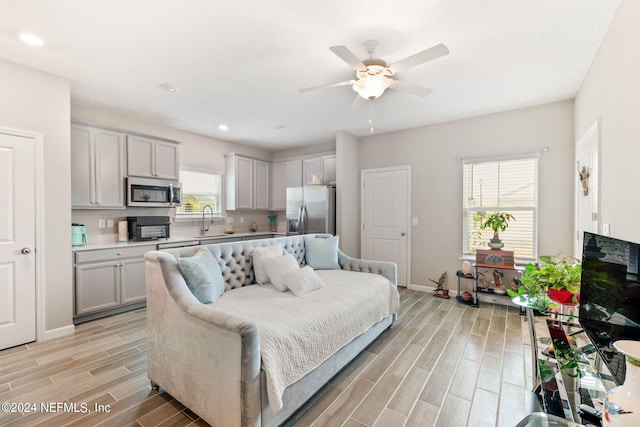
[(302, 280), (278, 267), (321, 253), (203, 275), (259, 255)]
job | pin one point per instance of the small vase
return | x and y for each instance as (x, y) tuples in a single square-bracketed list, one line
[(621, 407)]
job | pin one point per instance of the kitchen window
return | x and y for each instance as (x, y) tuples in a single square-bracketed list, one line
[(199, 188), (507, 185)]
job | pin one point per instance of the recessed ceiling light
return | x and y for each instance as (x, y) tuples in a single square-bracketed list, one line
[(169, 87), (31, 40), (223, 127)]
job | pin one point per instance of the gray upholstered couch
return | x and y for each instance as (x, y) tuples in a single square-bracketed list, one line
[(210, 360)]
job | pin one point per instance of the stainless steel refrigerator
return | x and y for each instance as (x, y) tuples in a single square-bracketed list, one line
[(311, 209)]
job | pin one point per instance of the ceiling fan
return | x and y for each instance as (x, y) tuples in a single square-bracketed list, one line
[(374, 76)]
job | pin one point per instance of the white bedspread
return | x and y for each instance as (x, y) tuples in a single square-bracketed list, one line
[(298, 333)]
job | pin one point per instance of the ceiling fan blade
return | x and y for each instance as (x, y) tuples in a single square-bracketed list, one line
[(327, 86), (420, 58), (410, 88), (347, 56)]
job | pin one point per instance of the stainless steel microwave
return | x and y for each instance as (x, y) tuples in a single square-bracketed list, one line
[(153, 193)]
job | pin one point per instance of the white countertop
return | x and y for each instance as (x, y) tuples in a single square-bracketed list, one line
[(173, 239)]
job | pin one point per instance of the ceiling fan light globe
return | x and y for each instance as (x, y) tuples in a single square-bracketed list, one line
[(371, 87)]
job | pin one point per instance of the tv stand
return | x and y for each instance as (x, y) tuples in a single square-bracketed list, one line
[(569, 377)]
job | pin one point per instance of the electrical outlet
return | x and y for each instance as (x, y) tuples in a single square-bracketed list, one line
[(230, 220), (109, 223), (101, 223), (414, 220), (606, 229), (241, 220)]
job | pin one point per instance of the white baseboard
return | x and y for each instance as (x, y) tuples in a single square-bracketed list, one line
[(430, 289), (58, 332)]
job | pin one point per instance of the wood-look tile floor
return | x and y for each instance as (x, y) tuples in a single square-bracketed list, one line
[(441, 364)]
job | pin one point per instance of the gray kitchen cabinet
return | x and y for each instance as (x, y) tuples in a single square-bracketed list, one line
[(261, 184), (324, 166), (247, 183), (328, 169), (151, 158), (97, 168), (285, 174), (108, 281)]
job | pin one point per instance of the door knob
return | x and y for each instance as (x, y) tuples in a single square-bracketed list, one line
[(26, 251), (403, 234)]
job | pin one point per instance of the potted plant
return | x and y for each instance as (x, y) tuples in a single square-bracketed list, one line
[(556, 276), (497, 221)]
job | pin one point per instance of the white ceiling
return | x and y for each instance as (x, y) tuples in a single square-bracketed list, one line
[(241, 62)]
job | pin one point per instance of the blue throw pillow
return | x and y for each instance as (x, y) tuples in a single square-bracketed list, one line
[(203, 276), (321, 253)]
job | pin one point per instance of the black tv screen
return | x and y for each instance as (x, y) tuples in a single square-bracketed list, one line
[(610, 296)]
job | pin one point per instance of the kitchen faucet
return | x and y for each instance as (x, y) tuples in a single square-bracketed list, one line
[(203, 229)]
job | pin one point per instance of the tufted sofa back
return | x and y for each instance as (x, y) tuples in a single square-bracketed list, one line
[(235, 258)]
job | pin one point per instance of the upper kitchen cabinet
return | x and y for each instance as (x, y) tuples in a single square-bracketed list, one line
[(285, 174), (247, 183), (322, 166), (152, 158), (97, 168)]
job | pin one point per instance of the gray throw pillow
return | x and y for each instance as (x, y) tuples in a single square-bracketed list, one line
[(321, 253), (203, 275)]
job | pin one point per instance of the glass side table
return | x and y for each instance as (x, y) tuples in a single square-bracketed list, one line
[(569, 377)]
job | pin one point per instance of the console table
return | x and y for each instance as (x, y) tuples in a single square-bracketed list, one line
[(569, 377)]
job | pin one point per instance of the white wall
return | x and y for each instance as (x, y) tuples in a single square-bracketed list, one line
[(39, 102), (437, 177), (348, 193), (611, 93)]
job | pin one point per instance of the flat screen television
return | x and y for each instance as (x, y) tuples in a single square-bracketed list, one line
[(610, 296)]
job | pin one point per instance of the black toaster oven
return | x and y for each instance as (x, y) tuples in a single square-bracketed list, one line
[(148, 227)]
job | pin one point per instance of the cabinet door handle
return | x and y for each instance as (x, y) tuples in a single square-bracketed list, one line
[(26, 251), (403, 234)]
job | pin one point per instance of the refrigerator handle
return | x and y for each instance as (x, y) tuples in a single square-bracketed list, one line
[(304, 218), (300, 220)]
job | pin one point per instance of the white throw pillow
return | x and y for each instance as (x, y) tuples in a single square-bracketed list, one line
[(302, 281), (277, 267), (259, 255)]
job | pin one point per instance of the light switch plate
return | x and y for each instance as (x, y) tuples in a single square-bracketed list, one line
[(414, 220), (101, 223)]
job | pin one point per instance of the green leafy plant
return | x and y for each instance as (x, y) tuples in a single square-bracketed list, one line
[(497, 221), (555, 272)]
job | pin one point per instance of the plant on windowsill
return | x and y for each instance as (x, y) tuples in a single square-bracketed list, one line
[(556, 278), (498, 222)]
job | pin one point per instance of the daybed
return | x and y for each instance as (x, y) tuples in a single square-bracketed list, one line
[(256, 354)]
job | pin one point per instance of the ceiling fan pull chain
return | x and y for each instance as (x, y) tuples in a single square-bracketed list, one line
[(370, 115)]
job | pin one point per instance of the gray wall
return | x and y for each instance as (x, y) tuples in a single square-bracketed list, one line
[(611, 93), (348, 193), (39, 102), (436, 242)]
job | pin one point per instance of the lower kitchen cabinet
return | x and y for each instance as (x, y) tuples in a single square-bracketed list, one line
[(108, 281)]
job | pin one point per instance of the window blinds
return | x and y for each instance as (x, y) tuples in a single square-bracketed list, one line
[(199, 189), (507, 185)]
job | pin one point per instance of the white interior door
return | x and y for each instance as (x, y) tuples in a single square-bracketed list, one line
[(17, 241), (586, 204), (385, 218)]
